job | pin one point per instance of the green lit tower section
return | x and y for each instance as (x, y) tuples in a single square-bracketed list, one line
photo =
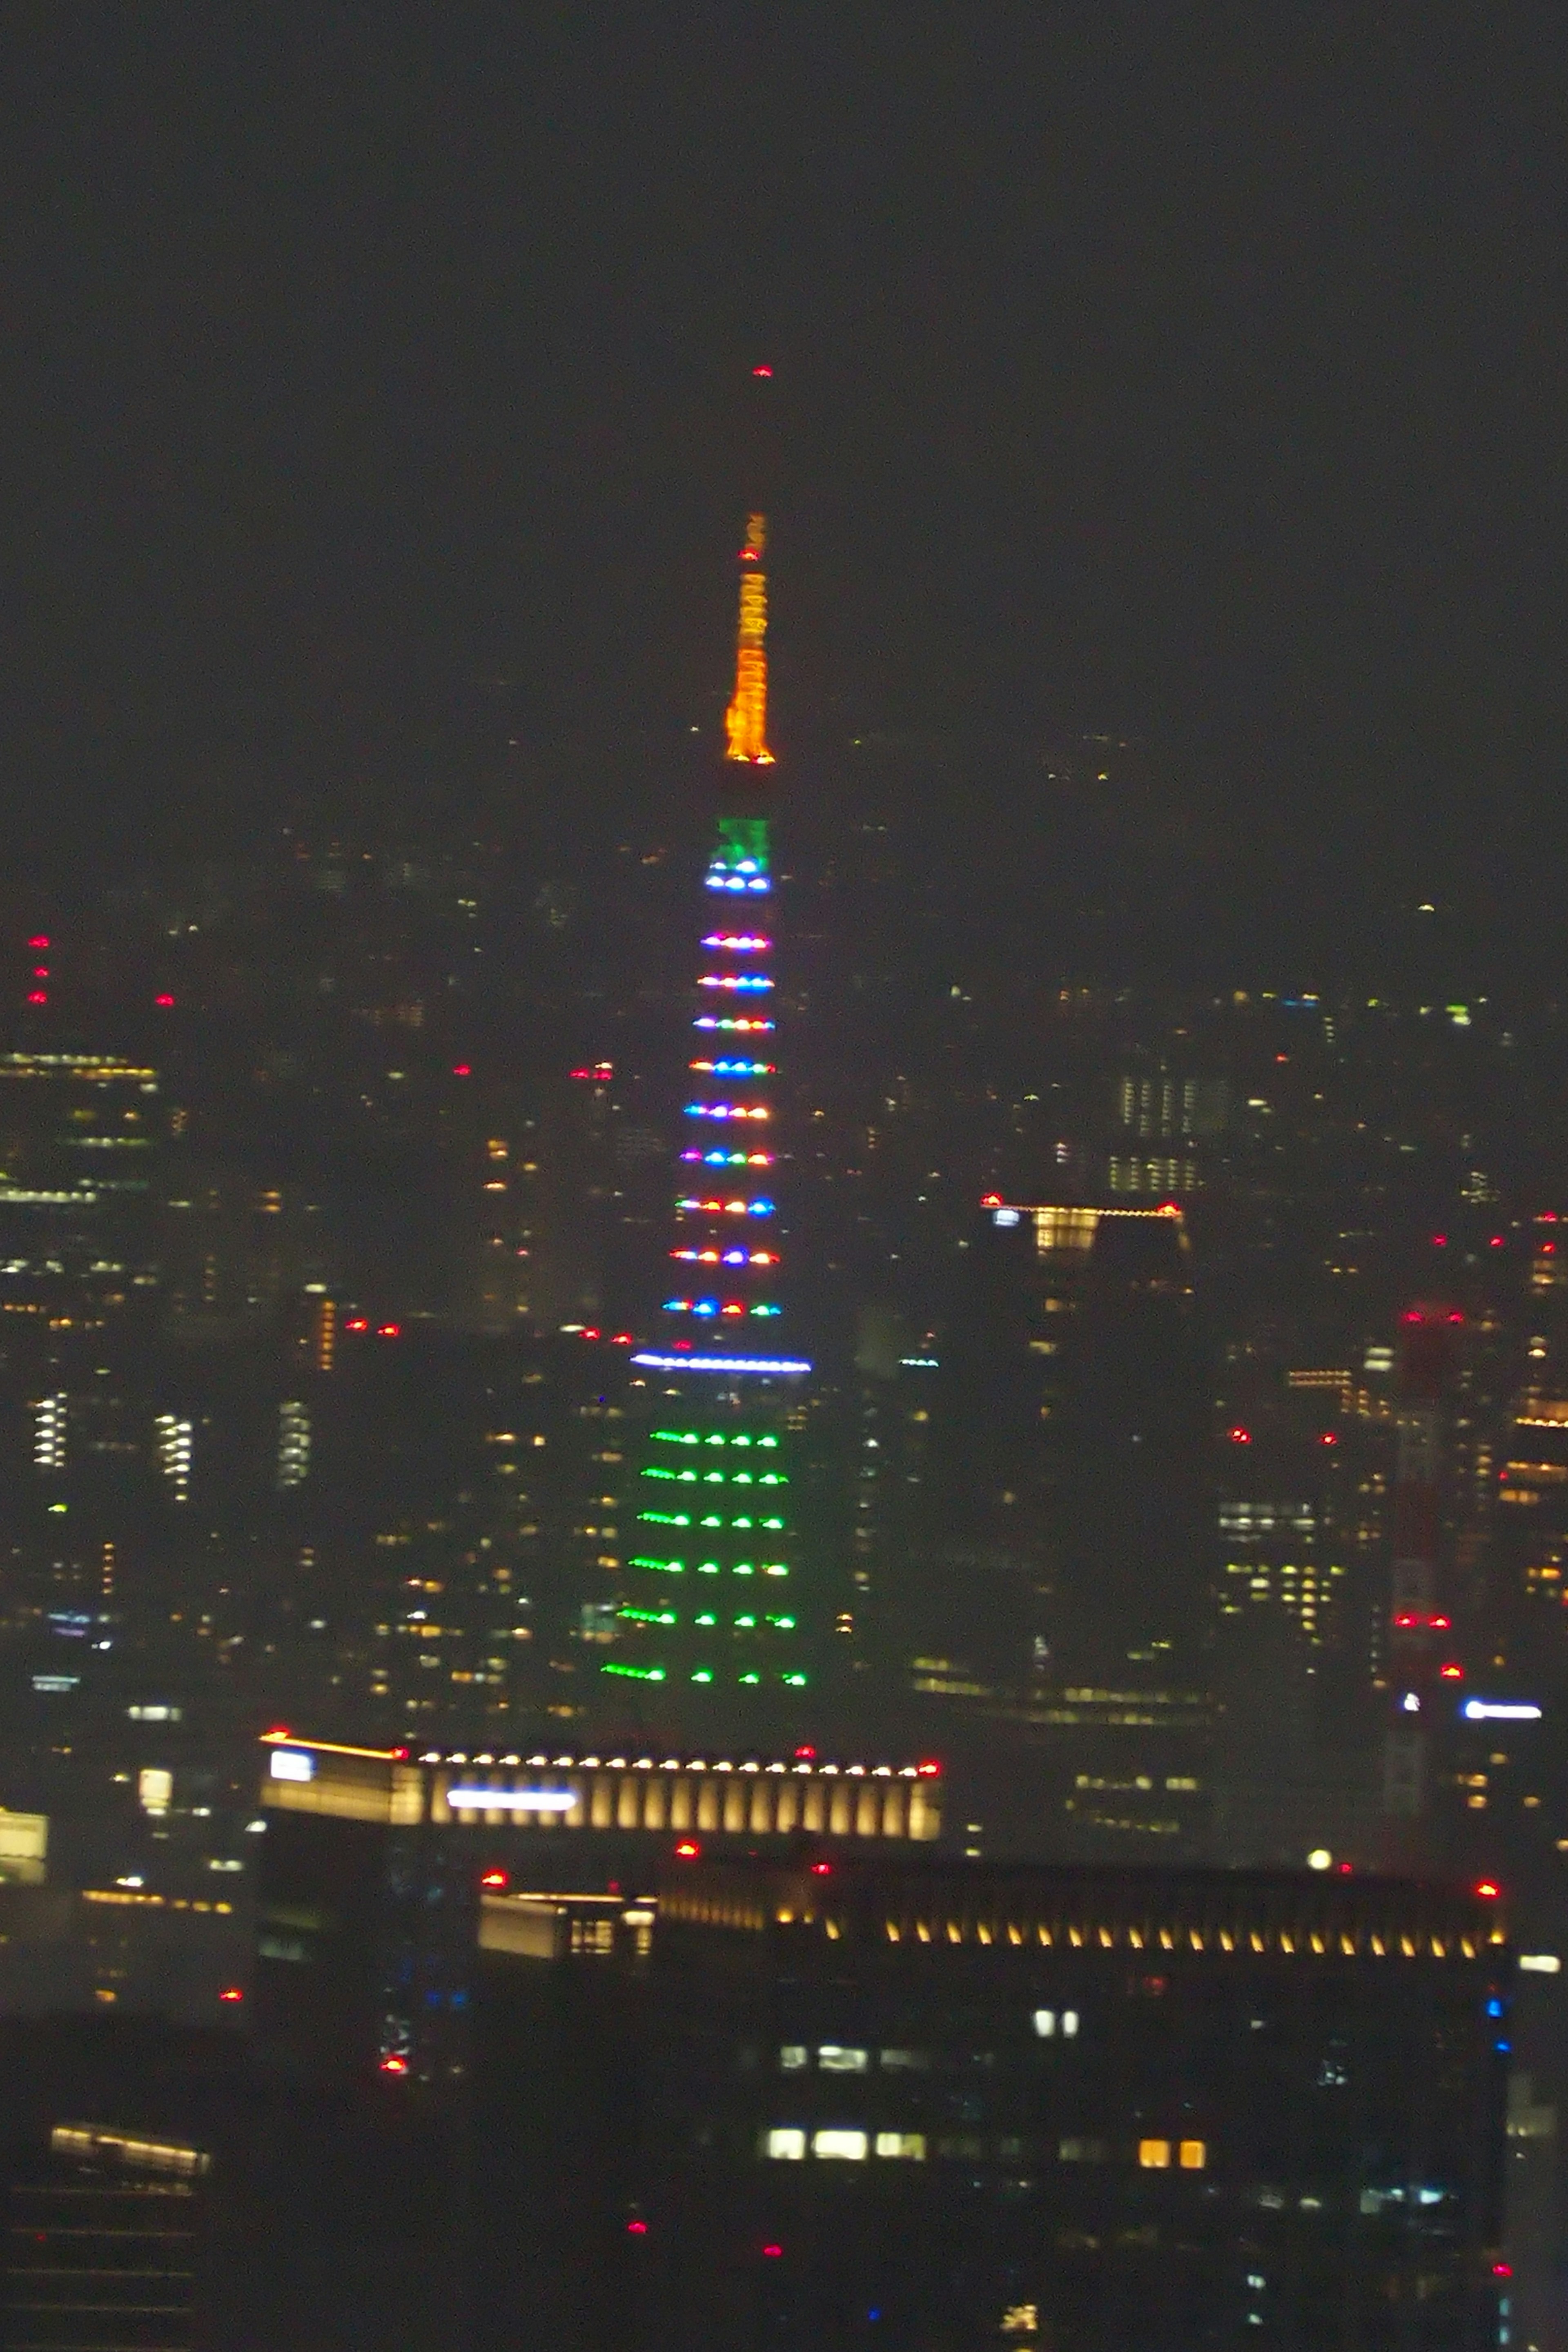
[(709, 1629)]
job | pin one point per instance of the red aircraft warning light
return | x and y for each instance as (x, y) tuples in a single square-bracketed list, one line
[(1487, 1889), (822, 1870), (687, 1850), (497, 1879), (231, 1992)]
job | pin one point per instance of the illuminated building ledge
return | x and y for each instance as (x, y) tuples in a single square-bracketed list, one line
[(723, 1363), (121, 1895), (1155, 1914), (130, 2150), (753, 1797)]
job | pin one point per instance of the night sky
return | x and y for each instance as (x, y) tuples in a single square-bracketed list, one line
[(1196, 372)]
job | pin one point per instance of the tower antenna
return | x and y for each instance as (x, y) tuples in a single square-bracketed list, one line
[(746, 720)]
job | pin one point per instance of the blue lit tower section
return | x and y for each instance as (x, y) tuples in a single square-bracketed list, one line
[(709, 1628)]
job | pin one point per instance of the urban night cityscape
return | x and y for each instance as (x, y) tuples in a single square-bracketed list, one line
[(784, 1179)]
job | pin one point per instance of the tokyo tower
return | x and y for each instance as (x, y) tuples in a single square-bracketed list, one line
[(710, 1639)]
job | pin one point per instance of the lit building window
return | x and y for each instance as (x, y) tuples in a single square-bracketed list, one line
[(1154, 2154), (906, 2144), (793, 2057), (1192, 2155), (784, 2145), (834, 2059), (835, 2142), (50, 1432), (173, 1440), (293, 1446)]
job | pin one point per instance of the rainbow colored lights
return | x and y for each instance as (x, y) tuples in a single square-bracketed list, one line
[(739, 1491), (690, 1206), (727, 1257), (717, 1306)]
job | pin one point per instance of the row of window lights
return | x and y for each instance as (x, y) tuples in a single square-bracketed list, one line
[(668, 1617), (846, 2058), (683, 1520), (788, 2144), (701, 1674), (707, 1567), (1347, 1943), (713, 1437), (694, 1764), (719, 1477)]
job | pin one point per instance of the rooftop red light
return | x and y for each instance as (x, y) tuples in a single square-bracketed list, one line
[(163, 1000), (1487, 1889), (231, 1992), (687, 1850)]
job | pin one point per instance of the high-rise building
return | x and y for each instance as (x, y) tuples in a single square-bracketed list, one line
[(709, 1631), (885, 2099)]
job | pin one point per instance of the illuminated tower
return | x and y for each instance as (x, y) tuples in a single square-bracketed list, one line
[(709, 1626)]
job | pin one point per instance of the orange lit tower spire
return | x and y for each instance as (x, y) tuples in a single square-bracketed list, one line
[(746, 720)]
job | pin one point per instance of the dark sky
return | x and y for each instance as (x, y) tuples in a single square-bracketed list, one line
[(1197, 370)]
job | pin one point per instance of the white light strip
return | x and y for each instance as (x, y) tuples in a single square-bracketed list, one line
[(723, 1363), (514, 1801), (1500, 1710), (1540, 1964)]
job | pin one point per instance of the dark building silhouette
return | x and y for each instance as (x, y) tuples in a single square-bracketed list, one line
[(886, 2103)]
